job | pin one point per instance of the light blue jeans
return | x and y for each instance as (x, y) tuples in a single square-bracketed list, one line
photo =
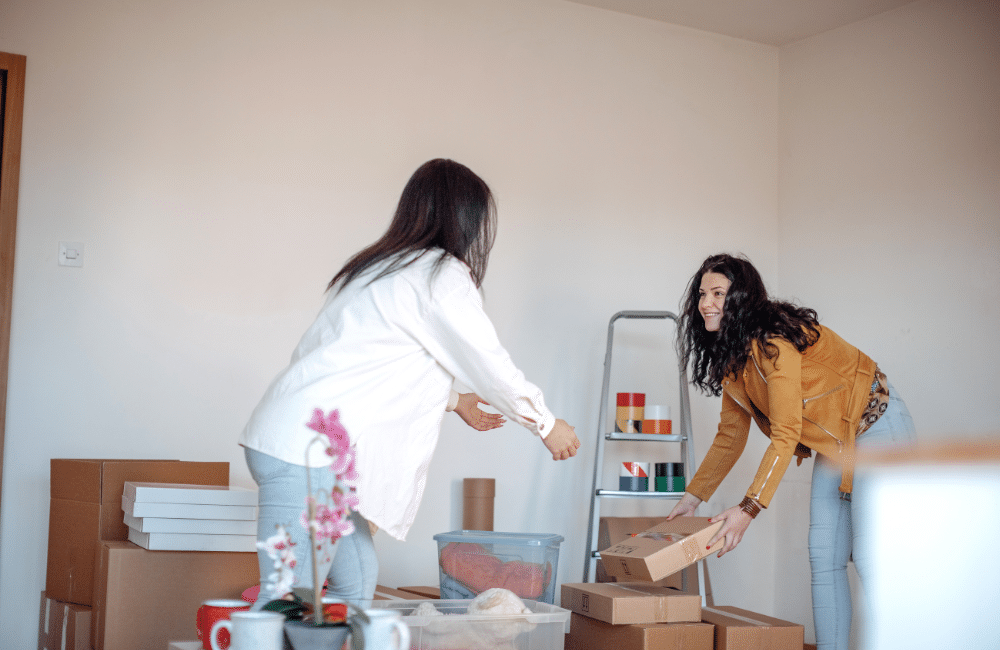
[(837, 527), (353, 571)]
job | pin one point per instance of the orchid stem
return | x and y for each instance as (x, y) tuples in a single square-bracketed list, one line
[(317, 585)]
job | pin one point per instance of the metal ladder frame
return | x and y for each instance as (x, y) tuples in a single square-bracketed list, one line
[(683, 437)]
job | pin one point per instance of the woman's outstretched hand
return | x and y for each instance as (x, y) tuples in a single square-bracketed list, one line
[(468, 409), (736, 524), (685, 507), (562, 441)]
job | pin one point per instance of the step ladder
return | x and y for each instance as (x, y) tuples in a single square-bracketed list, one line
[(682, 437)]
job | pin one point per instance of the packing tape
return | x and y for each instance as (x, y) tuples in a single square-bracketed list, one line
[(660, 610), (388, 596), (639, 470), (737, 617)]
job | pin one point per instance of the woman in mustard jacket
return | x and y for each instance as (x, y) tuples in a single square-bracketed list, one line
[(808, 390)]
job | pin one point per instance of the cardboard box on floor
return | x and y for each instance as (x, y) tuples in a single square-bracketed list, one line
[(63, 626), (586, 633), (388, 593), (661, 550), (631, 602), (86, 507), (146, 599), (740, 629), (612, 530), (432, 593)]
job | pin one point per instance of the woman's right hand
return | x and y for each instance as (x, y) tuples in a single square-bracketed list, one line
[(685, 507), (562, 441)]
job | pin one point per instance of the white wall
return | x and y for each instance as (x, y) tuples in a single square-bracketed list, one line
[(889, 216), (221, 160)]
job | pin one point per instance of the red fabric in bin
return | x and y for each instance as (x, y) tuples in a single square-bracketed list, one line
[(476, 568)]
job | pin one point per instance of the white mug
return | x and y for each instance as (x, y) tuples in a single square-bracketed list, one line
[(377, 634), (251, 631)]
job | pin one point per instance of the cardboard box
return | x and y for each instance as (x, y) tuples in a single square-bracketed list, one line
[(631, 602), (662, 550), (388, 593), (63, 626), (85, 507), (611, 530), (586, 633), (740, 629), (432, 593), (146, 599)]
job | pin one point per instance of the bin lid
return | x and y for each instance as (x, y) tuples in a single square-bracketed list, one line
[(492, 537)]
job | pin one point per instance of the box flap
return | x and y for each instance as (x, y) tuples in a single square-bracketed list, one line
[(612, 530), (747, 617)]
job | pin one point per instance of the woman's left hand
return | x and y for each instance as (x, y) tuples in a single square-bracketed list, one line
[(736, 523), (468, 409)]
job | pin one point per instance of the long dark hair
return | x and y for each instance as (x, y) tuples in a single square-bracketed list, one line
[(444, 206), (748, 315)]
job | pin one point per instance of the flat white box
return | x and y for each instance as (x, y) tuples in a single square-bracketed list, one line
[(193, 542), (198, 526), (187, 510), (223, 495)]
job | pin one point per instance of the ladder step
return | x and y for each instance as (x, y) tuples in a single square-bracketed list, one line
[(624, 494), (651, 437)]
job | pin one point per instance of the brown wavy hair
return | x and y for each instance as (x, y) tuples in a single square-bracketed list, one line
[(748, 315)]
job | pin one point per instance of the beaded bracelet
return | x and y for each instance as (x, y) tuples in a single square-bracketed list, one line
[(750, 507)]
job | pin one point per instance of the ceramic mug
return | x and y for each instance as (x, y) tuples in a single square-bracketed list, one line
[(212, 611), (251, 631), (377, 634)]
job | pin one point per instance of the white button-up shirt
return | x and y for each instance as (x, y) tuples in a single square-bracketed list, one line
[(385, 353)]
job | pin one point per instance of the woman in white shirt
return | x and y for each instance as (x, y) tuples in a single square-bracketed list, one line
[(402, 321)]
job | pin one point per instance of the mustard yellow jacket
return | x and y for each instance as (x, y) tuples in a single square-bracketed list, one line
[(814, 398)]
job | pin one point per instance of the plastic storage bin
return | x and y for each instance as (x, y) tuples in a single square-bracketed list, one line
[(543, 629), (472, 561)]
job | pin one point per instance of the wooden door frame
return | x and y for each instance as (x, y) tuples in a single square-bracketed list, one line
[(10, 173)]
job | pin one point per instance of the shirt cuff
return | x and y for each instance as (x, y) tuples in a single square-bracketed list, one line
[(452, 401), (545, 426)]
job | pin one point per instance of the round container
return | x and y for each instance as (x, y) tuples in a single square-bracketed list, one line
[(669, 477), (630, 411), (656, 419), (633, 477), (477, 505)]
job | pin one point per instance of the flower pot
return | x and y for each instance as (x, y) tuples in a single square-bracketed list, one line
[(306, 635)]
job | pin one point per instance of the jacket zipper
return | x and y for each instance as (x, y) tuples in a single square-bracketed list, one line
[(805, 400), (766, 479), (840, 443), (829, 392)]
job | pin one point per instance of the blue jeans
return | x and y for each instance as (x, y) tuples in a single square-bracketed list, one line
[(352, 572), (837, 527)]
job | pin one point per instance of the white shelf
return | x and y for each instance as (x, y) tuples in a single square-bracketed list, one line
[(647, 437), (625, 494)]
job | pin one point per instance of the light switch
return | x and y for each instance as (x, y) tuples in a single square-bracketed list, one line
[(70, 253)]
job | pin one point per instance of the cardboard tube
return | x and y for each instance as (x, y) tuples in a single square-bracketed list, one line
[(477, 510)]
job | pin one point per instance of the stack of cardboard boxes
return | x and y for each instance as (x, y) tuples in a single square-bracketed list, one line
[(133, 597), (644, 608)]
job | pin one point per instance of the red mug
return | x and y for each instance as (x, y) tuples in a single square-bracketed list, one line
[(212, 611)]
